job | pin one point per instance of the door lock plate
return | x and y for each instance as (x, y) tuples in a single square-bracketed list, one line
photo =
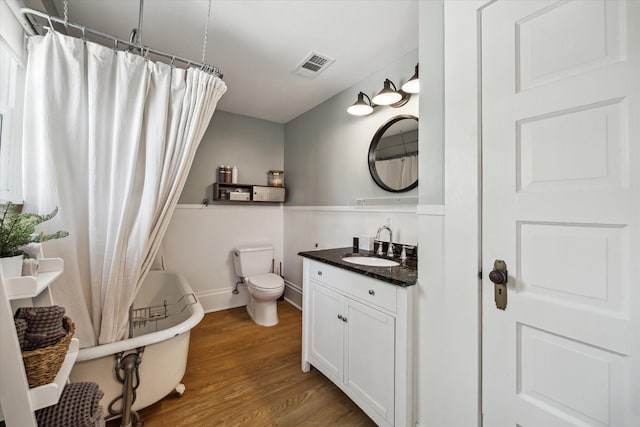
[(500, 276)]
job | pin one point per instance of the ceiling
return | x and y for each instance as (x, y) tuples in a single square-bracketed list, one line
[(259, 43)]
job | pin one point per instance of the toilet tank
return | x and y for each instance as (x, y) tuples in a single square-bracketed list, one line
[(249, 261)]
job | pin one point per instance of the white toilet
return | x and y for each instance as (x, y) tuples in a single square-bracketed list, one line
[(253, 265)]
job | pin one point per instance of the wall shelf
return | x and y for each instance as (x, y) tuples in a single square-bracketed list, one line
[(248, 193), (31, 286), (48, 394)]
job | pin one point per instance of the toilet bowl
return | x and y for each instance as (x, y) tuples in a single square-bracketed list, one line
[(253, 265), (264, 289)]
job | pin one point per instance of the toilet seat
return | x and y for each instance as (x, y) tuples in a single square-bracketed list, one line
[(267, 281)]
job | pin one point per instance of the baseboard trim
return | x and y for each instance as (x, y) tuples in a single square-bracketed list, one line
[(294, 286), (223, 299), (293, 303)]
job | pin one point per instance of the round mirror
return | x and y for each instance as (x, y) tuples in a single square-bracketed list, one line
[(393, 154)]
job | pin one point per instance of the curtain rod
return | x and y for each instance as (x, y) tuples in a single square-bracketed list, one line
[(144, 50)]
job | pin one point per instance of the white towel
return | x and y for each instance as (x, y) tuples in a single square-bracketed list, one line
[(30, 267)]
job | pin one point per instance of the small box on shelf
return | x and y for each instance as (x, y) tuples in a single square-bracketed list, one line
[(268, 194), (240, 196)]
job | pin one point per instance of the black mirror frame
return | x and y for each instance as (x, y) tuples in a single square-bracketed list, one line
[(372, 153)]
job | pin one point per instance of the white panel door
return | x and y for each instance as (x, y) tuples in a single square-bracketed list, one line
[(561, 198), (369, 367)]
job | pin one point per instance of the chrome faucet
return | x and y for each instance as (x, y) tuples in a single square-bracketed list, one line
[(390, 247)]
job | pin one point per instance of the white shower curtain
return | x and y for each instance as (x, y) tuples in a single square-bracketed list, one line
[(109, 138), (398, 173)]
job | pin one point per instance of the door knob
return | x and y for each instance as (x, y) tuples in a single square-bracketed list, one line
[(500, 276)]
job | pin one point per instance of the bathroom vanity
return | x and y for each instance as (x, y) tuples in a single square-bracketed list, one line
[(357, 331)]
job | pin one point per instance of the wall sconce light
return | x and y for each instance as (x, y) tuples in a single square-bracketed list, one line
[(394, 97), (360, 107), (413, 84), (389, 95)]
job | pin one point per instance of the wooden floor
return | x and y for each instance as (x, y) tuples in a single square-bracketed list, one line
[(242, 374)]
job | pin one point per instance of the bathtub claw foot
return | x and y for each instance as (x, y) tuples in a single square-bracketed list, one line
[(180, 389)]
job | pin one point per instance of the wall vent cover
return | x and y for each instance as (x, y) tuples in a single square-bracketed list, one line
[(313, 64)]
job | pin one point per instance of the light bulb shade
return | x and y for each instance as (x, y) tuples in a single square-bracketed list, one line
[(360, 107), (413, 85), (387, 96)]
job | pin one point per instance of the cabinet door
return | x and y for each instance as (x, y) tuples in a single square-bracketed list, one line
[(370, 357), (326, 330)]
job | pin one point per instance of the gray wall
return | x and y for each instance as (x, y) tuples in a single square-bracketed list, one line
[(255, 146), (325, 155)]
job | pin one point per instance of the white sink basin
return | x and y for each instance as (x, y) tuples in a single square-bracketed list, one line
[(370, 261)]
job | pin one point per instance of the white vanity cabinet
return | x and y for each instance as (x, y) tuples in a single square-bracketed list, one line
[(356, 331)]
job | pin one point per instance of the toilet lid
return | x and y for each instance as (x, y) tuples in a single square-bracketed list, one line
[(266, 281)]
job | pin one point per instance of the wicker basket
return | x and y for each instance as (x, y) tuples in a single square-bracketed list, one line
[(42, 365)]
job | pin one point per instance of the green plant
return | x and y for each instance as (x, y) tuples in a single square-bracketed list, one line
[(19, 229)]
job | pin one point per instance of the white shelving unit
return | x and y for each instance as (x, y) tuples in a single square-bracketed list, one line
[(32, 286), (17, 400)]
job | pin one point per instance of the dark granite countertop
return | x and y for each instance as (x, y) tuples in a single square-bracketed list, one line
[(401, 275)]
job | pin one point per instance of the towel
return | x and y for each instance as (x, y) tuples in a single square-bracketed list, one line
[(29, 267), (21, 330), (44, 325), (79, 406)]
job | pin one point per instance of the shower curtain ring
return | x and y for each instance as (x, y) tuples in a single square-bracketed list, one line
[(83, 34), (50, 24), (173, 58), (115, 45)]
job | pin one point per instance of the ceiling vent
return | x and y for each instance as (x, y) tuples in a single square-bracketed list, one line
[(313, 64)]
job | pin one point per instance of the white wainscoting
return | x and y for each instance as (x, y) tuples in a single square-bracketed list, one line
[(427, 308), (200, 240)]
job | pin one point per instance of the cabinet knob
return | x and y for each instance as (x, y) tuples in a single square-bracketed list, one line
[(372, 292), (344, 319), (319, 273), (340, 316)]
